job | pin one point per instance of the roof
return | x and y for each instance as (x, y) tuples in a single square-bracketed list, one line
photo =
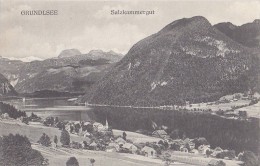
[(129, 146), (97, 124), (87, 123), (93, 144), (147, 148), (160, 132), (218, 149)]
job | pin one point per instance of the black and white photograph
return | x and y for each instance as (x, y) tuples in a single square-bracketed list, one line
[(130, 83)]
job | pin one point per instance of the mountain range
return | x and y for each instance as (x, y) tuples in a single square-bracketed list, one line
[(71, 71), (188, 60)]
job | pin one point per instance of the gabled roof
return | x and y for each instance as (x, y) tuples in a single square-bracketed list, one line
[(160, 132), (129, 146), (147, 148), (93, 144)]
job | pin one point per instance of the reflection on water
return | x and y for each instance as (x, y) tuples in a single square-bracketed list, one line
[(55, 107)]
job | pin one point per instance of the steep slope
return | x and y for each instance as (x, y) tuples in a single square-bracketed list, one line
[(10, 69), (6, 89), (188, 60), (246, 34), (70, 73)]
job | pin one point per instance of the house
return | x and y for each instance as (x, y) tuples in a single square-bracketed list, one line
[(194, 151), (98, 126), (113, 145), (203, 148), (130, 147), (160, 134), (5, 116), (149, 152), (93, 146), (120, 141), (214, 162), (216, 151), (111, 149), (86, 134), (190, 143), (185, 150)]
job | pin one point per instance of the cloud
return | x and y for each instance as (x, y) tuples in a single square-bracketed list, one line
[(113, 36), (243, 11)]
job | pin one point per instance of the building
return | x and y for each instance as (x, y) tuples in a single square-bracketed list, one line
[(130, 147), (203, 148), (98, 126), (160, 134), (216, 151), (149, 152), (120, 141)]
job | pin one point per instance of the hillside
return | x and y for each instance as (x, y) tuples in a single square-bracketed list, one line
[(65, 73), (246, 34), (6, 89), (188, 60)]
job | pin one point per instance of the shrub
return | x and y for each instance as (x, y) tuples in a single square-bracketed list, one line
[(55, 140), (65, 137), (72, 161), (45, 140)]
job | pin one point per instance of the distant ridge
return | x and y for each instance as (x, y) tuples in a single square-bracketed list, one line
[(246, 34)]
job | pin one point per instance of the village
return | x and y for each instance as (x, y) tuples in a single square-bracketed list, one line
[(159, 144)]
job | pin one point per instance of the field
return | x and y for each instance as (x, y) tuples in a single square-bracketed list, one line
[(59, 156), (252, 110)]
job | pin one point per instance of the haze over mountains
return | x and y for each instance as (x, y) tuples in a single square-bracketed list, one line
[(188, 60)]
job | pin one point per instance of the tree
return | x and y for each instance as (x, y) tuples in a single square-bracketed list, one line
[(92, 161), (208, 152), (45, 140), (124, 136), (249, 159), (55, 140), (175, 134), (17, 150), (72, 161), (65, 137)]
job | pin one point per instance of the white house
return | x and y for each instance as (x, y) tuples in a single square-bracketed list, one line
[(149, 152)]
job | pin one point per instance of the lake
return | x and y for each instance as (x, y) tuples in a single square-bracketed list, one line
[(55, 107)]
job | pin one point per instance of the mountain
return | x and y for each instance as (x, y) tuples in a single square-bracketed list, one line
[(188, 60), (246, 34), (10, 69), (65, 73), (69, 53), (6, 88)]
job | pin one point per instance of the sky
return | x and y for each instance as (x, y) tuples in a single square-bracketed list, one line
[(88, 25)]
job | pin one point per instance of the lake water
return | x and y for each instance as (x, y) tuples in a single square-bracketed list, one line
[(212, 127), (55, 107)]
